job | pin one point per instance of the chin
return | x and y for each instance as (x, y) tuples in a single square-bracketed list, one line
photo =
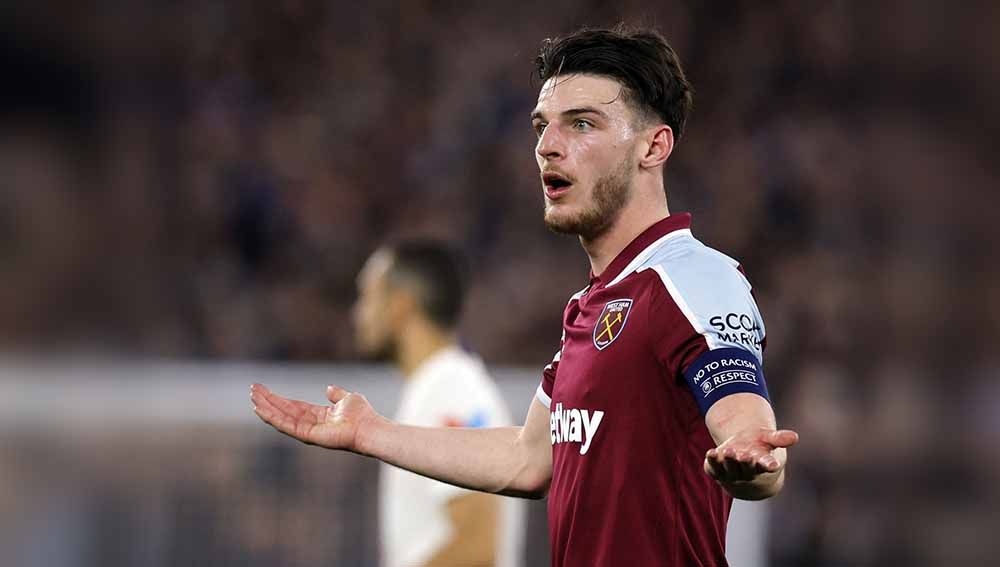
[(561, 221), (376, 352), (586, 226)]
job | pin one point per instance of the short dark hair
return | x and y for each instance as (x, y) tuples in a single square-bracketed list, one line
[(435, 273), (640, 59)]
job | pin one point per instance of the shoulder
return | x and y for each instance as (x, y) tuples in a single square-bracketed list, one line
[(454, 368), (708, 288), (683, 264), (689, 268), (460, 384)]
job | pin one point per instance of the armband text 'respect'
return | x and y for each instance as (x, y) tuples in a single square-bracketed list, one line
[(721, 372)]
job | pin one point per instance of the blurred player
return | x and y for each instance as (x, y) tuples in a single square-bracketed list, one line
[(653, 413), (410, 298)]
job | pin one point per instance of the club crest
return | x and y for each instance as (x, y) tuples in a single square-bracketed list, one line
[(611, 322)]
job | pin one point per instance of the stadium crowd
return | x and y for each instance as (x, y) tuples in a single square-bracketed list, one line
[(204, 179)]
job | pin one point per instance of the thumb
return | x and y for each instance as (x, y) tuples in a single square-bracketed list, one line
[(335, 393), (781, 438)]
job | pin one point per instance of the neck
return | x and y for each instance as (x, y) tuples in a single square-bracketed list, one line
[(418, 341), (633, 219)]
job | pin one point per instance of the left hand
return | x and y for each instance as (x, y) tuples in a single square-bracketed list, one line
[(749, 454)]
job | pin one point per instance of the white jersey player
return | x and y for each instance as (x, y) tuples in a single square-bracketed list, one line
[(410, 296), (451, 388)]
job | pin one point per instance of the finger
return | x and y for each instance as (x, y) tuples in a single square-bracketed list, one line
[(742, 464), (709, 463), (295, 428), (267, 411), (293, 408), (266, 414), (273, 417), (257, 396), (713, 466), (335, 393), (258, 392), (768, 463), (258, 389), (282, 424), (289, 413), (730, 463), (261, 401), (713, 458), (781, 438), (763, 462)]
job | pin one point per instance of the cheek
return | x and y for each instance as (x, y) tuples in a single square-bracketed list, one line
[(588, 156), (595, 155), (365, 318)]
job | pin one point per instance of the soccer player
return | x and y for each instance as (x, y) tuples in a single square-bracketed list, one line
[(654, 413), (409, 301)]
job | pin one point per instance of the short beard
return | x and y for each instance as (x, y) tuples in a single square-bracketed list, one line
[(611, 192)]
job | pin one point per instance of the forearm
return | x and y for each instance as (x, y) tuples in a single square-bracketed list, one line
[(514, 461), (485, 459)]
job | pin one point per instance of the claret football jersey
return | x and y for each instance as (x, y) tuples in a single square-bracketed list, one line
[(670, 326)]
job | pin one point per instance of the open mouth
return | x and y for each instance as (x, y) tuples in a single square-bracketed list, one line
[(556, 185)]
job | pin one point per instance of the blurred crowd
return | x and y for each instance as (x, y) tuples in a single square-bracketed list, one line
[(195, 496), (204, 179)]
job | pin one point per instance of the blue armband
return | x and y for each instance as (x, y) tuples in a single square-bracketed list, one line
[(721, 372)]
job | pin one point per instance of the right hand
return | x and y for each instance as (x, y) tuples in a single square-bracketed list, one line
[(335, 426)]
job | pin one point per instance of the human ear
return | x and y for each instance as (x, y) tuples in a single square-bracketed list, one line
[(659, 145)]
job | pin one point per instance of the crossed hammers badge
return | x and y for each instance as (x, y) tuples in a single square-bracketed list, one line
[(611, 322)]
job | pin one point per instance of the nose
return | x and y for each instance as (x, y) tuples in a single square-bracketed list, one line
[(550, 144)]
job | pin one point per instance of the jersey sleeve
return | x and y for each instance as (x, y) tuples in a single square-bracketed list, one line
[(544, 392), (708, 330)]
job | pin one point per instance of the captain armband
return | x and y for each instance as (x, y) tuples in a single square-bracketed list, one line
[(721, 372)]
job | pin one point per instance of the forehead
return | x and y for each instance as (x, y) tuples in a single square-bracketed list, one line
[(375, 268), (565, 92)]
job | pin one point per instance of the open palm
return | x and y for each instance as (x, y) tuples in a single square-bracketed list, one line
[(748, 454), (334, 426)]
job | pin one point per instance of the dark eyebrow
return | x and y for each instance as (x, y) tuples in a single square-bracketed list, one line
[(537, 115), (584, 110)]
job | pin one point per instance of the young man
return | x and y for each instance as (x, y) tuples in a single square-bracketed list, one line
[(653, 413), (409, 301)]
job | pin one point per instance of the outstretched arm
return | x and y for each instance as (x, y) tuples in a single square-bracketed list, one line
[(750, 458), (514, 461)]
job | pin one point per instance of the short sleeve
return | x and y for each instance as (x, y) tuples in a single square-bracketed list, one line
[(544, 392), (705, 315)]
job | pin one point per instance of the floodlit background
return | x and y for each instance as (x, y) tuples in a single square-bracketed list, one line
[(187, 190)]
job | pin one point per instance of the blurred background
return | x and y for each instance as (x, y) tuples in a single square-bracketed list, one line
[(187, 190)]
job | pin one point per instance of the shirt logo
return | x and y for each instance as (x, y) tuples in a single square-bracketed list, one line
[(611, 322), (574, 426), (477, 419)]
